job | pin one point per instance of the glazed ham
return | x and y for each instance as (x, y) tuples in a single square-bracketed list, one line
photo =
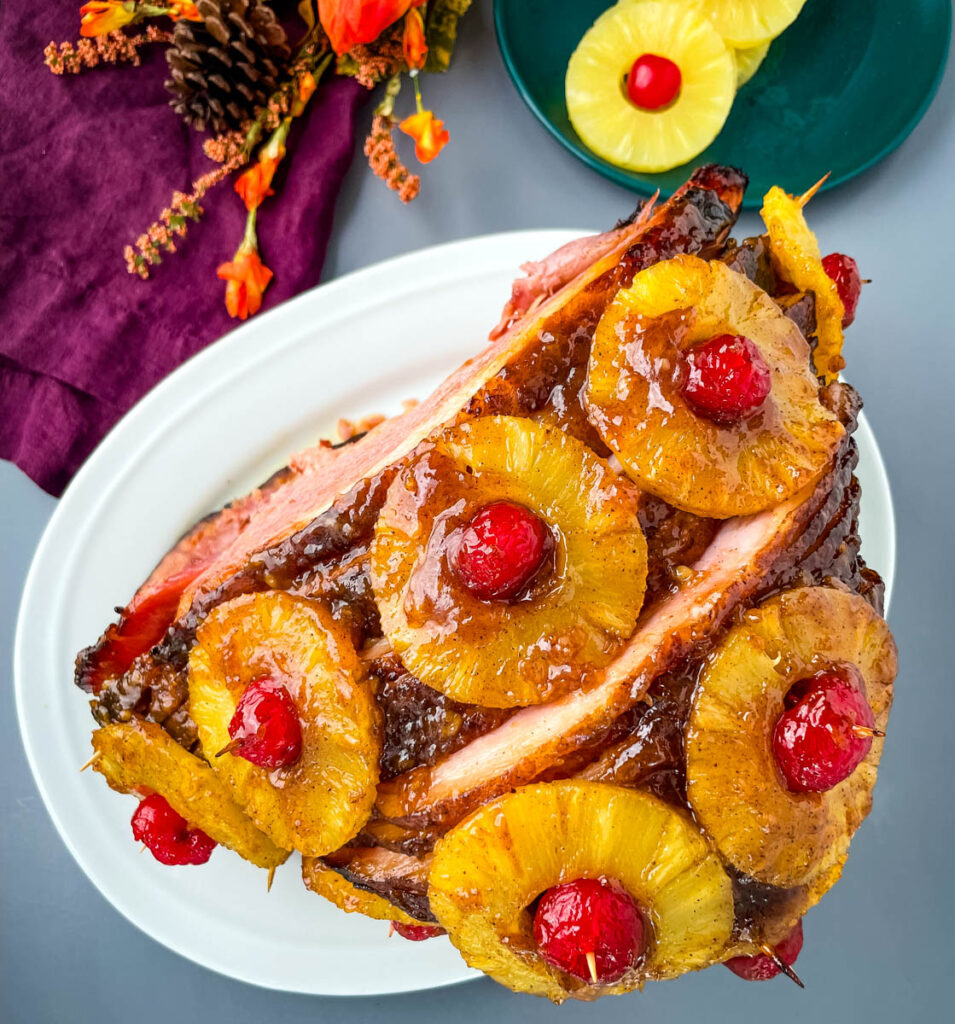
[(307, 530)]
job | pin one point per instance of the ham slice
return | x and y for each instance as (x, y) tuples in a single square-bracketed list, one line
[(543, 278), (144, 621)]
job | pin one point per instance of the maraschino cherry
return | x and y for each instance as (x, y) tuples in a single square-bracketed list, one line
[(845, 272), (727, 378), (654, 82), (265, 728), (498, 552), (416, 932), (762, 967), (591, 928), (824, 733), (167, 833)]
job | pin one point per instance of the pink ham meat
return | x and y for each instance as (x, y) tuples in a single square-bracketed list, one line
[(543, 278), (537, 739), (144, 621)]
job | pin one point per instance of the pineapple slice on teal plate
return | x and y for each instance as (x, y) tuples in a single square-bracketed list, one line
[(820, 102)]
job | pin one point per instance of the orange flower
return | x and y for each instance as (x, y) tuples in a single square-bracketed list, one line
[(306, 87), (429, 134), (185, 9), (247, 276), (350, 22), (100, 17), (413, 42), (255, 184)]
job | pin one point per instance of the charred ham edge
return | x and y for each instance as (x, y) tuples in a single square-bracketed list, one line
[(536, 738), (218, 549), (400, 879)]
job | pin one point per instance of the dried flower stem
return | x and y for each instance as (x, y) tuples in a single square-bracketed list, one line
[(384, 161), (115, 48)]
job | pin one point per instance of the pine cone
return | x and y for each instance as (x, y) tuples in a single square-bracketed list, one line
[(225, 67)]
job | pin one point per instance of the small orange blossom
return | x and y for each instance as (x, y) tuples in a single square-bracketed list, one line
[(100, 17), (246, 276), (255, 184), (184, 9), (429, 134), (413, 42)]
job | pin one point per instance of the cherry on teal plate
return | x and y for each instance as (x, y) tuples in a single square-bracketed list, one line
[(839, 90)]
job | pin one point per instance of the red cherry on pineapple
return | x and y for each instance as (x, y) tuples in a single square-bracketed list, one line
[(824, 733), (763, 967), (592, 916), (499, 551), (653, 82), (416, 932), (265, 728), (727, 378), (168, 835), (845, 272)]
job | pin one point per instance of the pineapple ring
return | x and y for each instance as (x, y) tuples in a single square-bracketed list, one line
[(745, 23), (321, 879), (138, 755), (734, 787), (508, 654), (796, 253), (634, 393), (323, 799), (489, 869), (748, 62), (596, 92)]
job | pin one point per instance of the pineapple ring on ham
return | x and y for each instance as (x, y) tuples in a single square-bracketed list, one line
[(596, 92), (141, 757), (634, 393), (798, 259), (581, 606), (325, 881), (320, 801), (488, 871), (734, 786)]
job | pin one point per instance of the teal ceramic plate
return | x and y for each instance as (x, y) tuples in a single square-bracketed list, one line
[(839, 90)]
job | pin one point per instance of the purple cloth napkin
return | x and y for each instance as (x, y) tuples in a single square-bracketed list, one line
[(87, 162)]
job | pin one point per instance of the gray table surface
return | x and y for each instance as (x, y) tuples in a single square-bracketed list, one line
[(880, 946)]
